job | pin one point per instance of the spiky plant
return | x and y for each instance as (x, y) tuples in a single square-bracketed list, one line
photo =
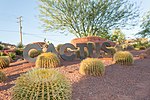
[(33, 53), (42, 84), (12, 55), (4, 61), (123, 58), (92, 66), (47, 60), (2, 76)]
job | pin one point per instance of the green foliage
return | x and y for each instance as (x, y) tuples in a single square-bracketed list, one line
[(47, 60), (1, 47), (42, 84), (2, 53), (19, 52), (145, 25), (4, 62), (118, 36), (2, 76), (34, 53), (142, 47), (92, 66), (87, 17), (123, 58), (12, 55)]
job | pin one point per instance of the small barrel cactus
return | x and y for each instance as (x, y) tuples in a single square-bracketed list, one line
[(4, 62), (2, 76), (123, 58), (42, 84), (33, 53), (92, 66), (47, 60)]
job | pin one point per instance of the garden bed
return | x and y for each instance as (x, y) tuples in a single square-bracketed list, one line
[(118, 83)]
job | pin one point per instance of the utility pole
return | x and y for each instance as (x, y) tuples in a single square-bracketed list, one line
[(20, 28)]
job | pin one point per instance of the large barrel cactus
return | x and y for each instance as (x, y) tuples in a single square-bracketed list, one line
[(42, 84), (47, 60), (2, 76), (92, 66), (4, 62), (123, 58)]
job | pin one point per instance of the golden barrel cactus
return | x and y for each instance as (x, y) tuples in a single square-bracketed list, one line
[(123, 58), (42, 84), (33, 53), (47, 60), (2, 76), (92, 66), (4, 61)]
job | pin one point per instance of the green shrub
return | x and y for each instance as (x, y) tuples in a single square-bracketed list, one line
[(47, 60), (92, 66), (1, 47), (12, 55), (33, 53), (123, 58), (19, 52), (4, 62), (2, 76), (19, 45), (142, 47), (42, 84)]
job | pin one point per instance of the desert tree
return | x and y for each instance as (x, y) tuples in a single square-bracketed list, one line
[(87, 17), (145, 25)]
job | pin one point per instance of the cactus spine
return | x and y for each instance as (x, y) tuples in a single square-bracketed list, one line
[(42, 84), (2, 76), (4, 62), (92, 66), (47, 60), (123, 58)]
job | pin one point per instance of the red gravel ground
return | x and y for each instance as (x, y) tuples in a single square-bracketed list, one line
[(118, 83)]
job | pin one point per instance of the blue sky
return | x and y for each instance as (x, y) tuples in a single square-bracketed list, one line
[(32, 31)]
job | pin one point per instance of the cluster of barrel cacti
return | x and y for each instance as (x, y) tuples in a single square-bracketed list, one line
[(42, 84), (2, 76), (4, 62), (92, 66), (123, 58), (47, 60), (33, 53)]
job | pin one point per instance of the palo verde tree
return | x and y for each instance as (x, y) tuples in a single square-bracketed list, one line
[(87, 17), (145, 25)]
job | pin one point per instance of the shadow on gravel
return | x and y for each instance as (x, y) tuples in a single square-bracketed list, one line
[(118, 83)]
